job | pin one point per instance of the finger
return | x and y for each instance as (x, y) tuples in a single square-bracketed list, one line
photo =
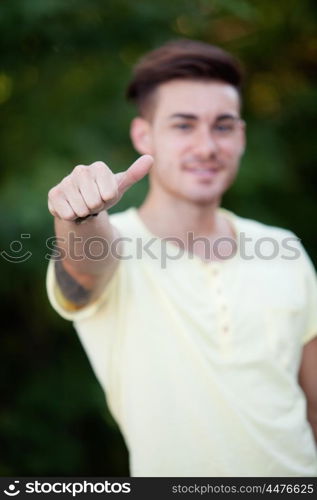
[(71, 193), (89, 191), (64, 210), (135, 172), (51, 209), (106, 183), (77, 202)]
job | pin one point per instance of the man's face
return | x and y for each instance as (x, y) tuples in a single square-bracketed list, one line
[(196, 138)]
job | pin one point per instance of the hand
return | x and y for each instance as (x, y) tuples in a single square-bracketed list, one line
[(89, 189)]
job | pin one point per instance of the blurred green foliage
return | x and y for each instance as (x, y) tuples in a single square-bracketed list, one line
[(64, 68)]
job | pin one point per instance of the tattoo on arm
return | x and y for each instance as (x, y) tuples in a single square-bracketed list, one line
[(72, 290)]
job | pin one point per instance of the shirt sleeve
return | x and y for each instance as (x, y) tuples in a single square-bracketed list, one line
[(67, 309)]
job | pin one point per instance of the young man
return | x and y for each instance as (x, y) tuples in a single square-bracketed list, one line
[(200, 325)]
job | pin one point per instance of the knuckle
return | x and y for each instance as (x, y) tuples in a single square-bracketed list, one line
[(114, 192), (82, 213), (102, 169), (99, 165), (54, 192), (109, 190), (81, 170), (68, 215), (66, 183), (95, 205)]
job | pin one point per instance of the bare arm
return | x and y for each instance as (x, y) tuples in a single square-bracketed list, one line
[(308, 381), (82, 275), (87, 265)]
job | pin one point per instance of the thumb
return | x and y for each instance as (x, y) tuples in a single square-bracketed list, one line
[(134, 173)]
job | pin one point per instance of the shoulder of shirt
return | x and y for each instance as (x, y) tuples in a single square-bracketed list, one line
[(259, 229), (125, 221), (256, 230)]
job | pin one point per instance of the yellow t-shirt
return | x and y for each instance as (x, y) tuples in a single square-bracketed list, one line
[(199, 360)]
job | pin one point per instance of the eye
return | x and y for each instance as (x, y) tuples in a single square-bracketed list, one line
[(225, 127), (183, 126)]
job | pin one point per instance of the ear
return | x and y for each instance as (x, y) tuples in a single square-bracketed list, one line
[(140, 133)]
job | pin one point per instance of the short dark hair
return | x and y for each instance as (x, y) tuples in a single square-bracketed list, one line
[(181, 59)]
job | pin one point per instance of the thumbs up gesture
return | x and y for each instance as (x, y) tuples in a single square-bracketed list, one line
[(89, 189)]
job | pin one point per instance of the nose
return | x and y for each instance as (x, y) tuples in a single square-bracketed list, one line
[(205, 143)]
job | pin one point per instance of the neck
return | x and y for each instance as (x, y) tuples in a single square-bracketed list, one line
[(168, 216)]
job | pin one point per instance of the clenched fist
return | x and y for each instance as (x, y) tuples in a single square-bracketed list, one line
[(89, 189)]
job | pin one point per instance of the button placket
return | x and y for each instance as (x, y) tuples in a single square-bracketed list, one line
[(224, 329)]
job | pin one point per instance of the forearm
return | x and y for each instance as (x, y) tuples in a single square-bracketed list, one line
[(86, 263)]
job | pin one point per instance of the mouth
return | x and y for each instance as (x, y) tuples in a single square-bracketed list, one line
[(202, 172)]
